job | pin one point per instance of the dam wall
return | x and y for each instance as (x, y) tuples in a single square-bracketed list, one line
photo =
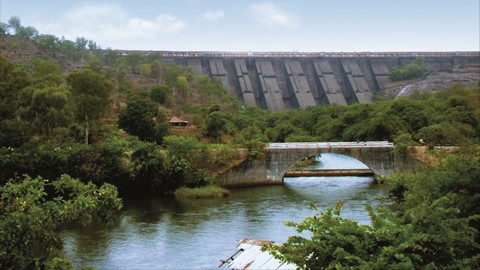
[(276, 81)]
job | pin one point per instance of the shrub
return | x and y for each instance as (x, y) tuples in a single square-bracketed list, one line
[(411, 70), (202, 192)]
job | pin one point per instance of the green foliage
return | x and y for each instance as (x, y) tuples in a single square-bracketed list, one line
[(335, 243), (252, 139), (162, 94), (139, 118), (414, 69), (216, 125), (220, 155), (187, 148), (440, 134), (212, 92), (435, 225), (46, 72), (150, 171), (12, 80), (32, 211), (281, 131), (59, 264), (403, 142), (146, 70), (192, 162), (91, 95), (48, 109), (206, 192), (183, 86)]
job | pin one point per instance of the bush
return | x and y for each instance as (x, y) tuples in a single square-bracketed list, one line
[(411, 70), (206, 192), (436, 226)]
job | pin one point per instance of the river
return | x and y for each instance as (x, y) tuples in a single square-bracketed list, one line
[(196, 234)]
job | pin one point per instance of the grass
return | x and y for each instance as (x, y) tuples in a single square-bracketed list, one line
[(206, 192)]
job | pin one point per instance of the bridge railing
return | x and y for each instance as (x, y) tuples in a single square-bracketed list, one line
[(326, 145)]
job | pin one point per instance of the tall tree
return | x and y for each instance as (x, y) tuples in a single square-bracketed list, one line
[(91, 94), (49, 109), (138, 118), (12, 80)]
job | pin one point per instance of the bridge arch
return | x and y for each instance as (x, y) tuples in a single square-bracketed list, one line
[(378, 156)]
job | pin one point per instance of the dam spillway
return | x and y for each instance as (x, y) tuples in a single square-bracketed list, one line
[(276, 81)]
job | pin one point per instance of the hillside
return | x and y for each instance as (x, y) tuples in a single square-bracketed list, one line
[(270, 81)]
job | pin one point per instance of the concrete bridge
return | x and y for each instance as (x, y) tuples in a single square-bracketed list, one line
[(378, 156), (279, 158)]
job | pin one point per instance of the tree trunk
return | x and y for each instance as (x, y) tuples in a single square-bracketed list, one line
[(87, 127)]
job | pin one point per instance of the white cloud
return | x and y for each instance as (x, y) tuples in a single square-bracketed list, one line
[(162, 24), (213, 15), (92, 14), (271, 16), (105, 23)]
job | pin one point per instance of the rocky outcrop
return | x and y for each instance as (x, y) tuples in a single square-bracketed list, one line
[(435, 80)]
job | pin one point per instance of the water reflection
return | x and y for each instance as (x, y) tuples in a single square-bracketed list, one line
[(186, 234)]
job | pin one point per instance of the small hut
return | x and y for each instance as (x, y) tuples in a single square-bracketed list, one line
[(177, 122)]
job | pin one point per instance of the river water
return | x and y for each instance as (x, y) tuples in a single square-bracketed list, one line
[(196, 234)]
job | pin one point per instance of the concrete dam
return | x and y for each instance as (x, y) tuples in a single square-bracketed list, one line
[(277, 81)]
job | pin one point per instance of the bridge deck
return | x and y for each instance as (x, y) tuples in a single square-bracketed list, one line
[(327, 145)]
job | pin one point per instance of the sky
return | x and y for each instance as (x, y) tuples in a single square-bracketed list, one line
[(258, 25)]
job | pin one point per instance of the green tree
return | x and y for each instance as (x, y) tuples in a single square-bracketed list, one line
[(150, 171), (33, 210), (162, 94), (188, 159), (157, 71), (12, 80), (15, 24), (28, 32), (91, 95), (183, 86), (440, 134), (215, 124), (134, 61), (403, 142), (49, 109), (146, 70), (252, 139), (48, 43), (139, 118), (3, 28)]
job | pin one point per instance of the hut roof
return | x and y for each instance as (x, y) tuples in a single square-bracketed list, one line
[(175, 119)]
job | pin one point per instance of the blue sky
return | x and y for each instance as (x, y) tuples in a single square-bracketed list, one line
[(258, 25)]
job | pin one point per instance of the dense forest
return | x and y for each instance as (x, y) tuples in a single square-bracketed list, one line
[(81, 127)]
